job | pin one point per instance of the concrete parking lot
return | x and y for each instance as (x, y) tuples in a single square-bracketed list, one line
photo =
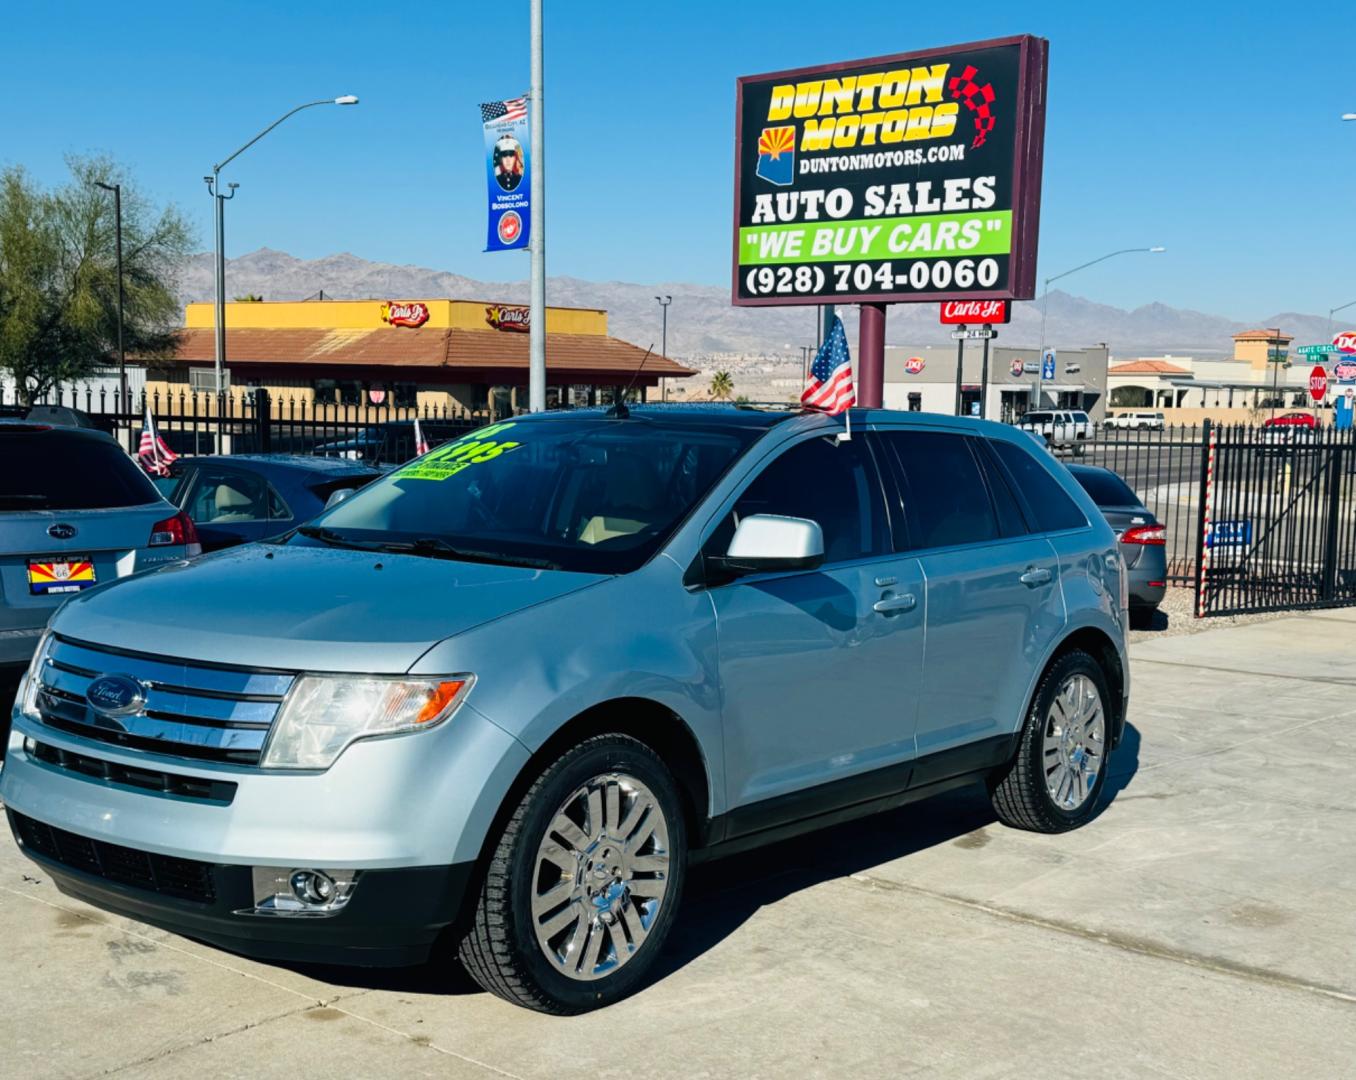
[(1201, 925)]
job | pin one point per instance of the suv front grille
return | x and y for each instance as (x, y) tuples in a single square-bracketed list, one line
[(187, 787), (185, 879), (205, 712)]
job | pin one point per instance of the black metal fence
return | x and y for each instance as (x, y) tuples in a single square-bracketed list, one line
[(257, 421), (1163, 467), (1278, 525)]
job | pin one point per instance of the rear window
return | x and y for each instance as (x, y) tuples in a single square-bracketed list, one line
[(1037, 418), (1048, 500), (57, 470), (1106, 488)]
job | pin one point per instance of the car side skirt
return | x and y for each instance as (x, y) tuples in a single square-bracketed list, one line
[(785, 816)]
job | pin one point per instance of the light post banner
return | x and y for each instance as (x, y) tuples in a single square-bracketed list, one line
[(506, 174)]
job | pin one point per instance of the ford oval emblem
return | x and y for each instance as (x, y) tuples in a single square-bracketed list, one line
[(60, 531), (115, 695)]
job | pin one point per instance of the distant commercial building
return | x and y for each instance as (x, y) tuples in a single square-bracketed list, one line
[(1236, 390), (923, 379), (457, 354)]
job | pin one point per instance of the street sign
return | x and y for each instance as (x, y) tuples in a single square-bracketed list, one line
[(1318, 383), (978, 333), (1229, 534), (975, 311), (1048, 364), (1315, 350)]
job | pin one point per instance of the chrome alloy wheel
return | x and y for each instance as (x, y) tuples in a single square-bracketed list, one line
[(1075, 742), (600, 876)]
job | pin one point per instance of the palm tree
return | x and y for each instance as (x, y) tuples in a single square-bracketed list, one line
[(722, 386)]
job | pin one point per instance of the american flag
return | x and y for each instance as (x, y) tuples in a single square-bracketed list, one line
[(830, 385), (156, 456), (420, 443), (503, 110)]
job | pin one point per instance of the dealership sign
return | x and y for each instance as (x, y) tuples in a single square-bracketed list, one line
[(503, 317), (404, 314), (904, 178), (964, 312)]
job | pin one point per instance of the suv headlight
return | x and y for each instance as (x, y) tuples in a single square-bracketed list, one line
[(323, 714), (28, 687)]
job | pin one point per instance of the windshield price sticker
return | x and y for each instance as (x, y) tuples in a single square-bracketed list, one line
[(451, 458), (911, 177)]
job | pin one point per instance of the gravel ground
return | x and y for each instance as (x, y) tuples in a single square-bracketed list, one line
[(1174, 616)]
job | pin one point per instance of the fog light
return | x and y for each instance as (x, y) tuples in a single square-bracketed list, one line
[(282, 891)]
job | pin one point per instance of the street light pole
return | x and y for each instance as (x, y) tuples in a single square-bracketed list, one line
[(123, 404), (1334, 311), (1045, 304), (664, 302), (214, 186), (1276, 368)]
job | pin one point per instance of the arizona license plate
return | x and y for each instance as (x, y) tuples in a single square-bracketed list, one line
[(59, 575)]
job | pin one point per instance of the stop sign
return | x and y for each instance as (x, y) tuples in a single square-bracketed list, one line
[(1318, 383)]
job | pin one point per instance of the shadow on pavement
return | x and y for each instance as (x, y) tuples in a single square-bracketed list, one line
[(724, 894)]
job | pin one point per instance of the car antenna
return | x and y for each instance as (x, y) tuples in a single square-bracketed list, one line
[(619, 409)]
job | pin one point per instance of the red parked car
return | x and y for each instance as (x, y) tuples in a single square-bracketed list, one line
[(1292, 430)]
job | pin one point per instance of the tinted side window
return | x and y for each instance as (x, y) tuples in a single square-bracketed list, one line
[(1049, 501), (945, 499), (832, 483)]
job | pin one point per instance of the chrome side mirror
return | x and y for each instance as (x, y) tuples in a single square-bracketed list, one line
[(767, 543)]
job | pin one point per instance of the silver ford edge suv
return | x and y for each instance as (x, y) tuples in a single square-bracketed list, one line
[(504, 696)]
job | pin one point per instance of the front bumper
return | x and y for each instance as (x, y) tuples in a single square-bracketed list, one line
[(393, 918), (410, 813)]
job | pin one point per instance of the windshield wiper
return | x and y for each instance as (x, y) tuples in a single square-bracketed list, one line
[(337, 539), (438, 548)]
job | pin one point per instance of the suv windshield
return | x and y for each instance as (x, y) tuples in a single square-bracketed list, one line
[(596, 495), (60, 470)]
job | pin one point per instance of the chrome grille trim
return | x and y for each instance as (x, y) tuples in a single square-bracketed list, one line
[(191, 710)]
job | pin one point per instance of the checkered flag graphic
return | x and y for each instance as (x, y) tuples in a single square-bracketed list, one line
[(977, 99)]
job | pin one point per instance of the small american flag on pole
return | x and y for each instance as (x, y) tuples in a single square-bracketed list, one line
[(420, 443), (154, 453), (515, 109), (830, 384)]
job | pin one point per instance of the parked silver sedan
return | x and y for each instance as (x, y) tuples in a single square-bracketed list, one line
[(75, 512)]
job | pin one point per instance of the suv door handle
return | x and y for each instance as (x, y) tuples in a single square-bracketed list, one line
[(891, 604), (1037, 575)]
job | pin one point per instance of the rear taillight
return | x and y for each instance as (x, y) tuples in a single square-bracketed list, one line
[(1145, 534), (178, 529)]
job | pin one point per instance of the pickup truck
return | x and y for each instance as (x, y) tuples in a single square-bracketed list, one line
[(1062, 429)]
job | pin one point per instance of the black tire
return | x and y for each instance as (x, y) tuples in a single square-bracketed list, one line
[(500, 951), (1019, 794)]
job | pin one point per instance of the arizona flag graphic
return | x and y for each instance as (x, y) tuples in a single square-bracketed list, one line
[(777, 155), (60, 576)]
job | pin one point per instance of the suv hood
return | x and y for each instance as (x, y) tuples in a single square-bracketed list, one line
[(319, 609)]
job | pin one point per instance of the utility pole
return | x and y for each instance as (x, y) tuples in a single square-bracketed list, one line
[(536, 389), (124, 405), (664, 303)]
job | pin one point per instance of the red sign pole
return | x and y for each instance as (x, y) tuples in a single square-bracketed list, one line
[(871, 357)]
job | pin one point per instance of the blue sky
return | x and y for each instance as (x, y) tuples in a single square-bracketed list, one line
[(1211, 130)]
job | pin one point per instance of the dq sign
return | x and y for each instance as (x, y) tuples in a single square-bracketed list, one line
[(914, 365), (1345, 342)]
